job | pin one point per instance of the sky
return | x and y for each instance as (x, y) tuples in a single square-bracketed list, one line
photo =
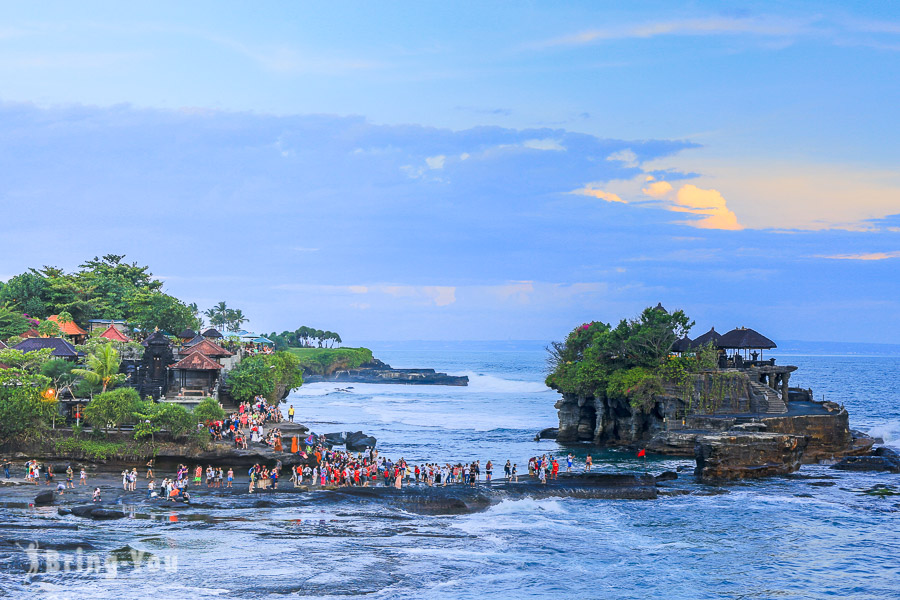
[(469, 170)]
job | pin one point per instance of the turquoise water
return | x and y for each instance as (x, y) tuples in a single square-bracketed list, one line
[(810, 535)]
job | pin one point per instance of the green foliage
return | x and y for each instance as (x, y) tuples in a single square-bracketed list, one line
[(208, 410), (100, 449), (112, 284), (269, 375), (629, 361), (148, 310), (221, 316), (24, 412), (28, 361), (304, 337), (324, 361), (102, 367), (12, 322), (638, 385), (26, 293), (113, 408), (48, 328), (104, 287), (173, 418), (59, 371), (251, 378)]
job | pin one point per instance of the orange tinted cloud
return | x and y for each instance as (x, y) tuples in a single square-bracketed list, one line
[(709, 203), (595, 193), (657, 189), (865, 256)]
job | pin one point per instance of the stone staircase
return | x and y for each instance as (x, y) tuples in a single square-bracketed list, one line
[(772, 402)]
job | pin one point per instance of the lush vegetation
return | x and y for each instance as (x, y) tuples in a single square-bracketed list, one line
[(208, 410), (26, 409), (630, 361), (106, 288), (268, 375), (112, 409), (220, 316), (93, 449), (325, 361), (102, 368), (305, 337)]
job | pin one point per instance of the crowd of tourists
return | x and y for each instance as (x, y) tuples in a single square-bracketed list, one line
[(246, 425)]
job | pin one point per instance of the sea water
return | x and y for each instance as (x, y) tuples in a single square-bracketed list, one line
[(814, 534)]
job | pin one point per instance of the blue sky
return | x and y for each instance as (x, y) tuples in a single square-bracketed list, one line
[(466, 171)]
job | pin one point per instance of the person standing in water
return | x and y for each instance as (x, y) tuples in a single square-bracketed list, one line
[(588, 463)]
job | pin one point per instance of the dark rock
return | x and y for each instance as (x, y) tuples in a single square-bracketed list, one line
[(667, 476), (337, 439), (550, 433), (44, 498), (379, 372), (93, 511), (107, 513), (358, 441), (83, 511), (869, 463), (886, 452), (62, 511), (733, 455)]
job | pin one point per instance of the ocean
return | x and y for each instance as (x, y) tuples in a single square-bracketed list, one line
[(815, 534)]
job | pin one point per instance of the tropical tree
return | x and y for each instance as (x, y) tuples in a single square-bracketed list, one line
[(102, 367), (49, 328), (25, 410), (208, 410), (59, 371), (12, 322), (31, 362), (112, 408), (173, 418)]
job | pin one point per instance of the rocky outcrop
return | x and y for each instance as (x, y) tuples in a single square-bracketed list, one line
[(732, 455), (358, 441), (881, 459), (828, 432), (380, 372)]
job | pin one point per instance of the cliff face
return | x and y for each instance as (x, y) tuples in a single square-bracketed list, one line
[(676, 420), (614, 422)]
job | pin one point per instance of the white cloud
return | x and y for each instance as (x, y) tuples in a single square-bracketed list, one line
[(710, 26), (627, 157), (436, 162), (544, 144)]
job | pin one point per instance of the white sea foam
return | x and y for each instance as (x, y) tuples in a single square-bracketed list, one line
[(889, 431), (494, 384)]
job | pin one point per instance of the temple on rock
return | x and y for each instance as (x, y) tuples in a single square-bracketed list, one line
[(738, 390)]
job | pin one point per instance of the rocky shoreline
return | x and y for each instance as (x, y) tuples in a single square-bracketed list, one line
[(377, 371)]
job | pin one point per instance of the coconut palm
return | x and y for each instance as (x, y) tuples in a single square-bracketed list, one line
[(102, 367)]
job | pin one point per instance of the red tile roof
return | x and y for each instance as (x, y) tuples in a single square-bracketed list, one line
[(112, 333), (31, 333), (68, 328), (196, 362), (210, 348)]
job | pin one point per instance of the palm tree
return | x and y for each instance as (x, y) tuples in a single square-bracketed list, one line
[(236, 318), (102, 367)]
